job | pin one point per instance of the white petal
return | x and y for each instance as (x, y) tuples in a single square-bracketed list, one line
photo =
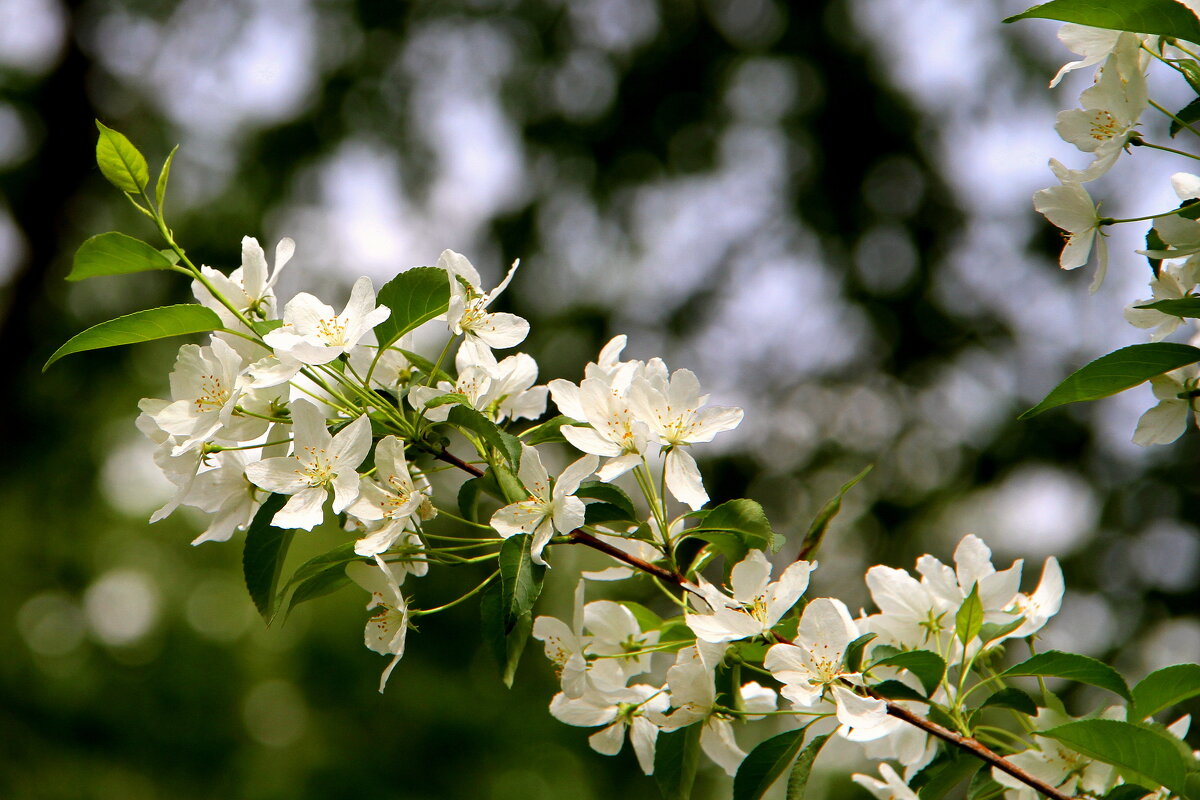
[(608, 741), (303, 510), (683, 479), (717, 742)]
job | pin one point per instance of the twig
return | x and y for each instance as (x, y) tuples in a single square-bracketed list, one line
[(973, 747)]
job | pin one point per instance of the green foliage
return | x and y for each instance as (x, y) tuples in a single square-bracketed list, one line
[(820, 524), (471, 421), (852, 659), (896, 690), (1188, 114), (969, 618), (119, 161), (1127, 791), (927, 666), (984, 787), (609, 494), (798, 780), (944, 774), (520, 579), (1164, 688), (263, 555), (547, 431), (140, 326), (317, 577), (676, 756), (1179, 307), (506, 647), (115, 253), (765, 763), (160, 188), (733, 529), (1142, 755), (1120, 370), (991, 631), (1161, 17), (1073, 667), (415, 296), (1011, 698)]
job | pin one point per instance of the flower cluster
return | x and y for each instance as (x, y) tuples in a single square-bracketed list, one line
[(283, 420)]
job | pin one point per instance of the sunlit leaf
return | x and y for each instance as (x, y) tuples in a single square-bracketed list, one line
[(765, 763), (1072, 667), (119, 161), (1161, 17), (1141, 754), (1164, 688), (115, 254), (798, 780), (140, 326), (263, 555), (1120, 370), (520, 578), (927, 666), (415, 296)]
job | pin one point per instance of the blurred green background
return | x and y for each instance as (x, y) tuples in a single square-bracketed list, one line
[(822, 208)]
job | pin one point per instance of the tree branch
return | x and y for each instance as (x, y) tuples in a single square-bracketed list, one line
[(973, 747)]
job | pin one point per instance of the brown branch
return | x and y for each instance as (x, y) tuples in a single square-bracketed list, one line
[(450, 458), (974, 747)]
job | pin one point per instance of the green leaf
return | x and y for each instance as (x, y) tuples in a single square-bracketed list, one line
[(422, 363), (506, 648), (140, 326), (610, 494), (1191, 73), (798, 780), (120, 161), (1164, 688), (468, 499), (469, 419), (520, 578), (991, 631), (1127, 791), (548, 431), (1120, 370), (263, 555), (1155, 242), (1189, 114), (1161, 17), (969, 619), (762, 767), (944, 776), (927, 666), (604, 513), (854, 652), (676, 756), (816, 531), (1179, 307), (735, 528), (160, 189), (506, 484), (1142, 755), (415, 296), (450, 398), (319, 585), (895, 690), (265, 326), (115, 253), (1012, 698), (1073, 667), (984, 787)]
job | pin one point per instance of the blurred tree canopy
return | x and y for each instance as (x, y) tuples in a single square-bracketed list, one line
[(745, 186)]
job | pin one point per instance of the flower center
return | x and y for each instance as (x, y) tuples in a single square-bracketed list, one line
[(213, 394), (332, 332)]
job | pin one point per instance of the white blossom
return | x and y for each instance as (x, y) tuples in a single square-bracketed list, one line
[(467, 314), (757, 604), (313, 334), (548, 509), (319, 462), (387, 629)]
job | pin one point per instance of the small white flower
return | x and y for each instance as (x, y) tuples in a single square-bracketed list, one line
[(671, 409), (318, 462), (1070, 207), (548, 509), (386, 630), (1094, 44), (1174, 281), (1166, 421), (313, 334), (392, 498), (250, 287), (890, 788), (627, 709), (757, 604), (812, 668), (467, 314)]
